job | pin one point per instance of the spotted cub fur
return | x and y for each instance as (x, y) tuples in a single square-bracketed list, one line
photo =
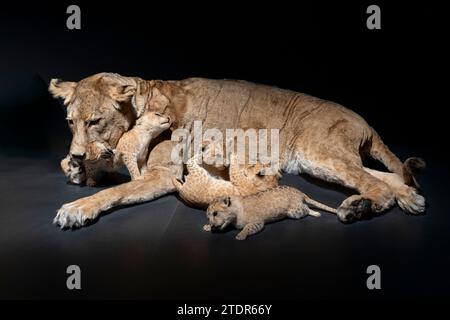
[(252, 212), (73, 170), (200, 188)]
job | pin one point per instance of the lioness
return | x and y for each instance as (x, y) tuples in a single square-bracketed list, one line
[(317, 137)]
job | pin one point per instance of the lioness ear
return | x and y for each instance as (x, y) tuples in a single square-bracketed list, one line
[(62, 89), (122, 93)]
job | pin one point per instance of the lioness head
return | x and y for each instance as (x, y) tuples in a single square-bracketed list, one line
[(99, 111), (223, 211), (100, 108)]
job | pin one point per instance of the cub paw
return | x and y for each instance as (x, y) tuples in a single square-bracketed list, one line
[(207, 228), (90, 182), (241, 236)]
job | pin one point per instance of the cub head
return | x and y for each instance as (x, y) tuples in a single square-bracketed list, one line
[(260, 176), (154, 122), (162, 97), (99, 111), (223, 211)]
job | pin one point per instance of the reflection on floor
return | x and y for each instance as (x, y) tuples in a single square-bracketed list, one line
[(158, 249)]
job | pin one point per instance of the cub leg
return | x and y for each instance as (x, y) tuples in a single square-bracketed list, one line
[(313, 213), (131, 162), (234, 170), (194, 169), (92, 175), (250, 229), (301, 211)]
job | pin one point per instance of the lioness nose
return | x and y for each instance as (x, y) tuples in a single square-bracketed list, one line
[(78, 157)]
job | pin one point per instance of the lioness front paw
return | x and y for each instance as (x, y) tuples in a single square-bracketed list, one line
[(76, 214)]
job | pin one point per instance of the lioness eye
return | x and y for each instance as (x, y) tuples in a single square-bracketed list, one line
[(93, 122)]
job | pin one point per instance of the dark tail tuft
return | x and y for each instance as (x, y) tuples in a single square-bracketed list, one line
[(415, 166), (411, 168)]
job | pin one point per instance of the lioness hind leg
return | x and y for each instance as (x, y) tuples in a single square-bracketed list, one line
[(375, 195), (407, 197)]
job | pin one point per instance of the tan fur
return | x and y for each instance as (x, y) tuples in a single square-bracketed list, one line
[(201, 188), (74, 171), (317, 137), (252, 212), (132, 148)]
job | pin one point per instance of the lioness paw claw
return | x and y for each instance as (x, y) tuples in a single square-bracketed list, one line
[(411, 202), (74, 215)]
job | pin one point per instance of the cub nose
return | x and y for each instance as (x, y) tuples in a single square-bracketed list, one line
[(78, 157)]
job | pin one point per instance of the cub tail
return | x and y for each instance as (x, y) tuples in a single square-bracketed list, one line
[(319, 205)]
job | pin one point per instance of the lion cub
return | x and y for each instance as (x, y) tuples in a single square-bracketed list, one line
[(252, 212), (131, 151), (73, 170), (201, 188)]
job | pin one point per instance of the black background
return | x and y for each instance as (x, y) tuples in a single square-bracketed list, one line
[(395, 78)]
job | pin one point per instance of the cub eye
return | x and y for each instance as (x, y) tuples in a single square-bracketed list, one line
[(93, 122), (214, 213), (70, 122)]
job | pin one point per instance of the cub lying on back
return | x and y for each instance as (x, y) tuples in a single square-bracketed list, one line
[(252, 212), (201, 188), (131, 151)]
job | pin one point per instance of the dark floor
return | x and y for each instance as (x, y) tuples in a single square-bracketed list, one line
[(158, 250)]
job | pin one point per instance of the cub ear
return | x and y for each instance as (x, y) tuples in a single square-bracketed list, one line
[(261, 172), (227, 201), (62, 89)]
